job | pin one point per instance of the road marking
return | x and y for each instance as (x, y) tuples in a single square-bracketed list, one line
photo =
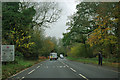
[(67, 65), (19, 72), (64, 66), (31, 71), (47, 67), (73, 69), (60, 66), (38, 66), (22, 78), (83, 76)]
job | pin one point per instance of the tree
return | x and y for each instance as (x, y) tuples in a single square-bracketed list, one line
[(24, 23), (94, 23), (17, 26), (81, 23), (46, 13), (105, 33)]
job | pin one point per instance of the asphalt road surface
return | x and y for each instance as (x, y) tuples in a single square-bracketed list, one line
[(63, 68)]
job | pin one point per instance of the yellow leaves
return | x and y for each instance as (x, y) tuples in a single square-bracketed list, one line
[(26, 37), (29, 36), (100, 36), (14, 29), (17, 41), (107, 29), (91, 44), (33, 43), (112, 39), (25, 45), (22, 33), (21, 42), (22, 38), (102, 40), (28, 45), (13, 32), (99, 39), (116, 20)]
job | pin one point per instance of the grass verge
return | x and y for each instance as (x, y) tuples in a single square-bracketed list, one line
[(106, 62), (12, 68)]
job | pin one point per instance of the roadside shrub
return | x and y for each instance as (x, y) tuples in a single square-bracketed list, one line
[(78, 50), (42, 57), (81, 50)]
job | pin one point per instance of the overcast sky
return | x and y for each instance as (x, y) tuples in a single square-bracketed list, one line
[(58, 28)]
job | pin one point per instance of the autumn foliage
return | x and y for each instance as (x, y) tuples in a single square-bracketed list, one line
[(95, 25)]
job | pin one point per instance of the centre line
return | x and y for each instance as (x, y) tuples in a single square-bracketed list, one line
[(67, 65), (22, 78), (73, 69), (83, 76), (38, 66)]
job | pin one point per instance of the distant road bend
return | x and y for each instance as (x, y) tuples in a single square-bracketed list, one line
[(63, 68)]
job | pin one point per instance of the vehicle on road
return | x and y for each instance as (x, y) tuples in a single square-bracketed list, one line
[(53, 56), (61, 56)]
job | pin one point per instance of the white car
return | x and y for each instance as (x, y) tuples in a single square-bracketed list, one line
[(61, 56), (53, 56)]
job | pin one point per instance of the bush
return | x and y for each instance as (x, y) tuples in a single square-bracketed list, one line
[(81, 50)]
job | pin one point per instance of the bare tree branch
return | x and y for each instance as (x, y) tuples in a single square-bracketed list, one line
[(46, 12)]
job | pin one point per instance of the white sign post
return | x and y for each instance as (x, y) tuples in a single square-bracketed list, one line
[(7, 53)]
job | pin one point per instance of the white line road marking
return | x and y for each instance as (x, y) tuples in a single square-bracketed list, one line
[(73, 69), (18, 72), (31, 71), (60, 66), (22, 78), (64, 64), (47, 67), (38, 66), (83, 76), (67, 65)]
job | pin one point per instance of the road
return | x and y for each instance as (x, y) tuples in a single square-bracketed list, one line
[(63, 68)]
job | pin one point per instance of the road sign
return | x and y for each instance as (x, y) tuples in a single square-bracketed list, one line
[(7, 53)]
